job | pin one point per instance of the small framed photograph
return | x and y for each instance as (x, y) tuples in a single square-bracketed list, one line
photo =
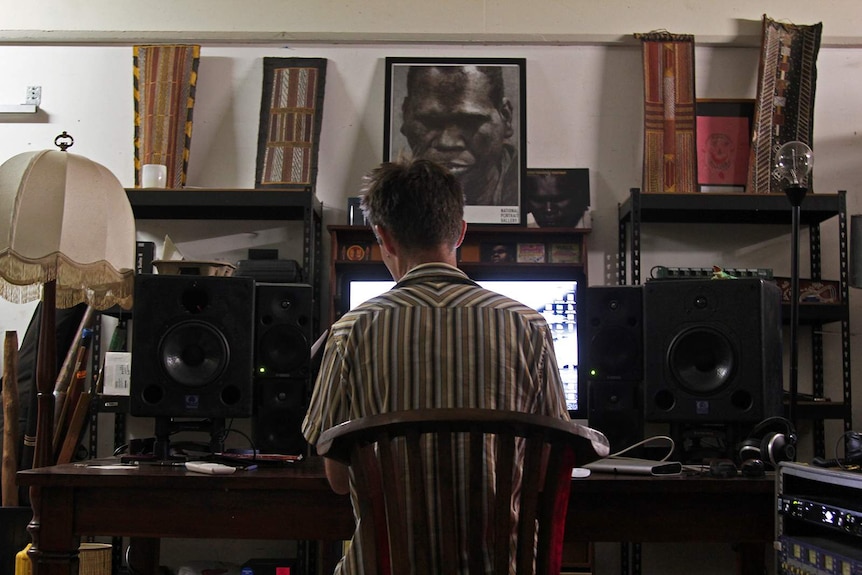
[(498, 253), (531, 253), (565, 253), (468, 114), (556, 197), (724, 130)]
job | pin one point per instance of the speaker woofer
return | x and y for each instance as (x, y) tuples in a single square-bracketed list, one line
[(283, 335), (194, 353), (610, 333), (192, 347), (282, 349), (712, 351), (702, 360), (614, 350)]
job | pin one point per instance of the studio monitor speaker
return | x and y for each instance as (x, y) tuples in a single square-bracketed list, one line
[(283, 325), (283, 338), (615, 409), (281, 406), (192, 346), (610, 333), (610, 360), (712, 350)]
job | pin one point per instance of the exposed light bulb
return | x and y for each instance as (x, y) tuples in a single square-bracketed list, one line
[(793, 164)]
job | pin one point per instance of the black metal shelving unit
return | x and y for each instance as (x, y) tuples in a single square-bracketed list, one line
[(293, 204), (241, 204), (223, 204), (764, 209)]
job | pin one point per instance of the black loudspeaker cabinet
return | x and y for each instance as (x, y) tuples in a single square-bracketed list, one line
[(282, 331), (281, 403), (610, 360), (610, 333), (192, 347), (283, 338), (615, 409), (712, 350)]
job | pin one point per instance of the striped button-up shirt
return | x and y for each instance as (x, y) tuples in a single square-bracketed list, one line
[(436, 339)]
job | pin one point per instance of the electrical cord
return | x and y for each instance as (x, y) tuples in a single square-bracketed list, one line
[(647, 441), (853, 453), (196, 448)]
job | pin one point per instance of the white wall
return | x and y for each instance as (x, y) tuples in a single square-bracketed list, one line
[(584, 106), (462, 21)]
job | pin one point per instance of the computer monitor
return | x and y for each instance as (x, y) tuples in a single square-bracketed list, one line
[(554, 299)]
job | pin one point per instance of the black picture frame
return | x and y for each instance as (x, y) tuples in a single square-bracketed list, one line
[(731, 122), (555, 197), (291, 118), (500, 202)]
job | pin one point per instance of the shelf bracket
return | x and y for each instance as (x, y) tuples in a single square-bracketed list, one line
[(30, 105)]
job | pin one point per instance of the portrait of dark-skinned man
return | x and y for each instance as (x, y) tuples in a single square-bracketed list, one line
[(460, 117), (556, 197)]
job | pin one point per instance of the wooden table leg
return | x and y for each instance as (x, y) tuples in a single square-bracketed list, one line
[(55, 547)]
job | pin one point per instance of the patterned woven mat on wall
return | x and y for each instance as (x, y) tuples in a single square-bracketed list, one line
[(165, 78), (670, 161), (291, 115), (784, 109)]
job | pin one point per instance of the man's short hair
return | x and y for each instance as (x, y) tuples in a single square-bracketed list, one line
[(418, 201)]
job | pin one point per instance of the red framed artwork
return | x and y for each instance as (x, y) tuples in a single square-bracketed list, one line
[(723, 144)]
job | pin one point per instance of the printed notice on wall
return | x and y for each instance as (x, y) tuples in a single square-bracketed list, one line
[(118, 368)]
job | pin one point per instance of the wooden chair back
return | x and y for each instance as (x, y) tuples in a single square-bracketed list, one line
[(401, 461)]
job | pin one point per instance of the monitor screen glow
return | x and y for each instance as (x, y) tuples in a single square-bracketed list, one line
[(554, 299)]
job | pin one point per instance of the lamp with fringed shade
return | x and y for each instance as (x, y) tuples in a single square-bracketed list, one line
[(67, 235)]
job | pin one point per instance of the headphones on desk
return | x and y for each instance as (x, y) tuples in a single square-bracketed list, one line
[(772, 440)]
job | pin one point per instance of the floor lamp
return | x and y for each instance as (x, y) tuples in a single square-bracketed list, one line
[(793, 165), (67, 235)]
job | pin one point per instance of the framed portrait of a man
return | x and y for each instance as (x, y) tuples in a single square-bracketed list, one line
[(556, 197), (468, 114)]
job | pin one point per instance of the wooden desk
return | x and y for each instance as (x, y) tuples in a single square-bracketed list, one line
[(150, 502)]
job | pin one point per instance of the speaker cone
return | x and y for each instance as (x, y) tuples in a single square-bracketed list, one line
[(194, 353), (282, 349), (614, 350), (702, 360)]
